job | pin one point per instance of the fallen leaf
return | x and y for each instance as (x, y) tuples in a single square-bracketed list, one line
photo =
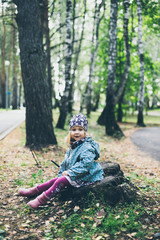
[(98, 238), (82, 225), (76, 230), (76, 208)]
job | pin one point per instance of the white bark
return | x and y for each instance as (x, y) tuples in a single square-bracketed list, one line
[(127, 52), (112, 48), (141, 58), (68, 54), (94, 44), (68, 59)]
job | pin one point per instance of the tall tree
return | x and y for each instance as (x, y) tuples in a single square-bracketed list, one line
[(45, 31), (121, 88), (3, 70), (77, 54), (140, 121), (14, 71), (94, 47), (68, 59), (39, 128), (95, 43), (124, 78), (119, 93), (111, 125)]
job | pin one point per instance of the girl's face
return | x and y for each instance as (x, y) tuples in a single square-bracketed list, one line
[(77, 133)]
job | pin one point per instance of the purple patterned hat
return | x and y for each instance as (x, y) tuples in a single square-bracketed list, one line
[(78, 120)]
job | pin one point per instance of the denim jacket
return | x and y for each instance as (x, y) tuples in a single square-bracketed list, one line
[(80, 162)]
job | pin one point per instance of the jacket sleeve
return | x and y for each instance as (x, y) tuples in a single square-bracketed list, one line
[(62, 169), (82, 167), (63, 165)]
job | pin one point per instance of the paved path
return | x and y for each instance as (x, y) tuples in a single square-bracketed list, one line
[(9, 120), (148, 140)]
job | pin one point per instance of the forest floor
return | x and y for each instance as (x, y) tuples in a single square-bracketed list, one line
[(18, 168)]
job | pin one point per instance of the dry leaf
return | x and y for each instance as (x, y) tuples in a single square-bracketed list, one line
[(99, 237), (76, 208), (82, 225)]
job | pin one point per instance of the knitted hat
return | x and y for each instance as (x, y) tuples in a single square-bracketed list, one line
[(78, 120)]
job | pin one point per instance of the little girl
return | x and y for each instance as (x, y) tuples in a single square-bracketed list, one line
[(77, 169)]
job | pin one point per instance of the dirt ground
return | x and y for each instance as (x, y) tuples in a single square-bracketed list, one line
[(17, 161)]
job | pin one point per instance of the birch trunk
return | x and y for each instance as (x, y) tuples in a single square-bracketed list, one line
[(78, 50), (140, 121), (14, 74), (68, 59), (39, 128), (94, 44), (9, 59), (3, 71), (48, 51), (70, 97), (111, 125), (60, 52), (124, 78)]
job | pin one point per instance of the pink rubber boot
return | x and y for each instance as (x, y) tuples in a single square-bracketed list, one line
[(32, 192), (40, 200)]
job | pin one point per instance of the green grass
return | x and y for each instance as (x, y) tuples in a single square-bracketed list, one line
[(123, 218), (35, 178), (145, 183), (148, 119)]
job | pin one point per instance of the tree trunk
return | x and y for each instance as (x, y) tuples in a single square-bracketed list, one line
[(39, 128), (78, 50), (94, 48), (140, 121), (124, 78), (14, 73), (68, 59), (111, 125), (47, 43), (102, 117), (96, 100), (120, 110), (3, 73), (44, 24), (70, 97)]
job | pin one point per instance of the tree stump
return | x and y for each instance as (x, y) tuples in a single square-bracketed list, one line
[(114, 187)]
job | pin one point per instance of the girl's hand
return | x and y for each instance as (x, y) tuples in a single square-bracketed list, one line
[(65, 173)]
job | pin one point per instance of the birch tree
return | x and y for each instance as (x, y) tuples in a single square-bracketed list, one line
[(95, 43), (111, 125), (140, 121), (118, 94), (121, 88), (77, 54), (3, 58), (124, 78), (47, 43), (39, 128), (14, 72), (68, 59), (94, 47)]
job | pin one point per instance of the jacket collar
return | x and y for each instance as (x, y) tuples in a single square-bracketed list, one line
[(75, 144)]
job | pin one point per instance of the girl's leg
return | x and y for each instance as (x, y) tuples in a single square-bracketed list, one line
[(44, 186), (36, 190), (58, 185)]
